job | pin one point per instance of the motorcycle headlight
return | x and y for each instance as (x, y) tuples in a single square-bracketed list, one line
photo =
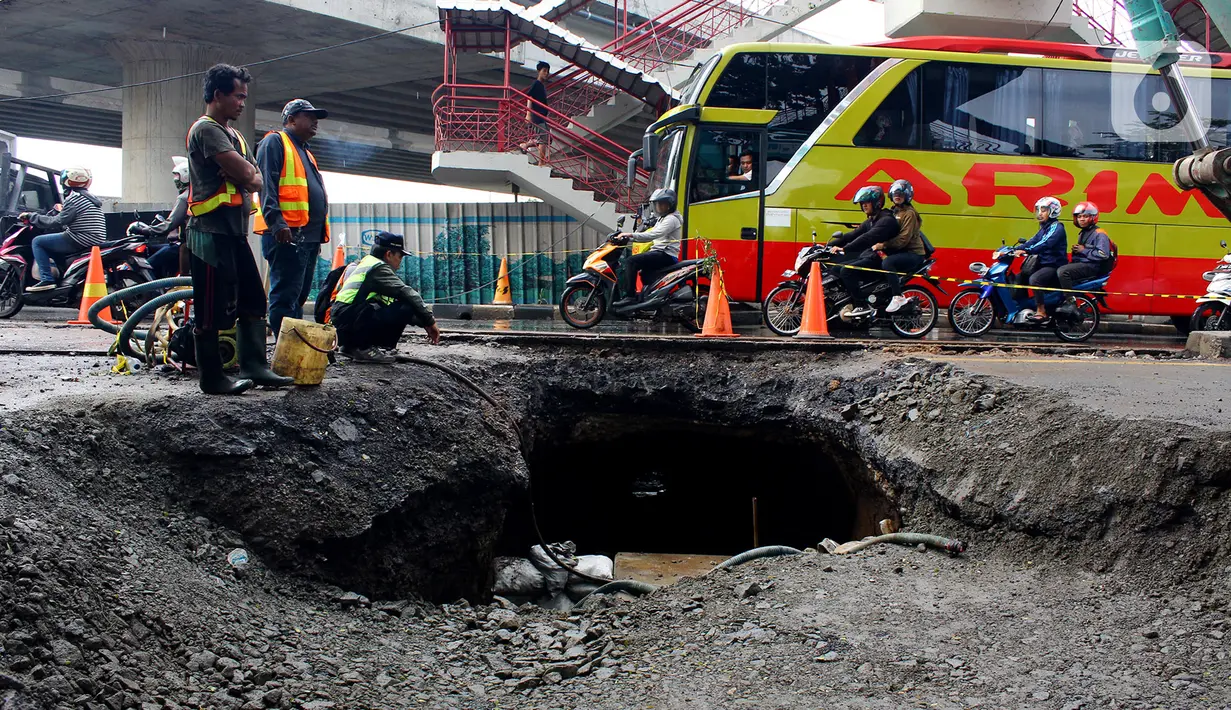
[(788, 274)]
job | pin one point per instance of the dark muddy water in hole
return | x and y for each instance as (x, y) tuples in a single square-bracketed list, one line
[(673, 488)]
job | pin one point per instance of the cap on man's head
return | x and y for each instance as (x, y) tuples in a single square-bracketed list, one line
[(389, 240), (301, 106)]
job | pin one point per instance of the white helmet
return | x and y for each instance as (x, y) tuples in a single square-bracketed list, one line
[(78, 177), (1051, 204), (179, 172)]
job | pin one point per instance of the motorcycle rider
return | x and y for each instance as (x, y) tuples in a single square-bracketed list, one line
[(878, 228), (665, 250), (1050, 245), (1091, 253), (904, 253), (166, 261), (80, 223)]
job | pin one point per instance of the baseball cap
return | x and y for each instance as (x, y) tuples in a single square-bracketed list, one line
[(295, 106), (390, 240)]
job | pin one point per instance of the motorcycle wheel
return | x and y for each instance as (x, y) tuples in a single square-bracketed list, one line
[(12, 295), (693, 318), (582, 305), (1207, 315), (783, 309), (970, 314), (1079, 329), (917, 318)]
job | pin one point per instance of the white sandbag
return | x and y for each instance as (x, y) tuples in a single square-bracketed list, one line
[(557, 577), (517, 576), (599, 566), (593, 565)]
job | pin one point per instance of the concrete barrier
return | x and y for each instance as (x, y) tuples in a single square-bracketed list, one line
[(1209, 344)]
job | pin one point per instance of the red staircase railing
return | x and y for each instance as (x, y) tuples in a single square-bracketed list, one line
[(666, 39), (494, 119), (1103, 16)]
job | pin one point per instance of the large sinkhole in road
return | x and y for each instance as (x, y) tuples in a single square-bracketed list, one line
[(666, 486)]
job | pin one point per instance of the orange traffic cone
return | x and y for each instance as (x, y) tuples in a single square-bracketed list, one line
[(815, 324), (717, 311), (95, 288), (339, 257), (504, 292)]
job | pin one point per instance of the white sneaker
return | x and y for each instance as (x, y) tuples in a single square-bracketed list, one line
[(896, 303)]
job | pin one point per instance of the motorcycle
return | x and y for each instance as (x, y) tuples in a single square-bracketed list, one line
[(975, 308), (672, 294), (1211, 312), (124, 265), (783, 307)]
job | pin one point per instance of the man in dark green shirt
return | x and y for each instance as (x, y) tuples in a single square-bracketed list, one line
[(373, 306), (226, 283)]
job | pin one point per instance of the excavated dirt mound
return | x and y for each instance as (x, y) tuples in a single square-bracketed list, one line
[(1096, 574)]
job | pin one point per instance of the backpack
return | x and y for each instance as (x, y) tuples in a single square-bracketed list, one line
[(928, 249), (324, 297), (1113, 255)]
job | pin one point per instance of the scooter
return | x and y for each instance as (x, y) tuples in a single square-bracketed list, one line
[(672, 294), (1212, 308), (124, 265), (783, 307), (975, 308)]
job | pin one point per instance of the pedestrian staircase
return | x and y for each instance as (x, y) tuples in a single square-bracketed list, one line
[(668, 47), (482, 131)]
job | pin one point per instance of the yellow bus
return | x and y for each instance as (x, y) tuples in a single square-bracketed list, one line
[(981, 127)]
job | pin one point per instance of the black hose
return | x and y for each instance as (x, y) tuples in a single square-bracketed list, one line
[(631, 586), (112, 299), (758, 553), (521, 446), (123, 338)]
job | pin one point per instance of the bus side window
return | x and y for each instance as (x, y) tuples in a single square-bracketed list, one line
[(895, 123), (981, 108)]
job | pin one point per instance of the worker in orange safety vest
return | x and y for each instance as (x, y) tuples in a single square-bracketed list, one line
[(293, 219)]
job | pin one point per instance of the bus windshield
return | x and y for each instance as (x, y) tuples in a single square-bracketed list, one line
[(668, 162)]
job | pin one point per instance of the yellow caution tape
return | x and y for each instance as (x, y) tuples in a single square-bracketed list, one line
[(985, 282)]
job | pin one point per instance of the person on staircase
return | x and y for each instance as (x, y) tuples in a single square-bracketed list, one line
[(536, 114), (374, 306), (227, 286)]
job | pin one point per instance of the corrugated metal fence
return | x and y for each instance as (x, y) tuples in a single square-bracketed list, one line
[(454, 250)]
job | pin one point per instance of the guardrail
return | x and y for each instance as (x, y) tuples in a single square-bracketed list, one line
[(497, 119)]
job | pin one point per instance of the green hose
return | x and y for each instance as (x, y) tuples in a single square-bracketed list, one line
[(126, 330), (951, 545), (758, 553), (113, 299)]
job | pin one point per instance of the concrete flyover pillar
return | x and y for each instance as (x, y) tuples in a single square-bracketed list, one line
[(157, 116)]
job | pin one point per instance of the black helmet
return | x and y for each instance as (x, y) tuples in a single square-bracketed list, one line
[(873, 194), (664, 194), (902, 187)]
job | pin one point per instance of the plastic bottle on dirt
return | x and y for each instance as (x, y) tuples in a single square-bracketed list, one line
[(238, 558)]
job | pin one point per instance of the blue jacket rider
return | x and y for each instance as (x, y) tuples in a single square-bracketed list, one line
[(1051, 245)]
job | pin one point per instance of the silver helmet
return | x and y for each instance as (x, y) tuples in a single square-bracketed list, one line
[(664, 194)]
